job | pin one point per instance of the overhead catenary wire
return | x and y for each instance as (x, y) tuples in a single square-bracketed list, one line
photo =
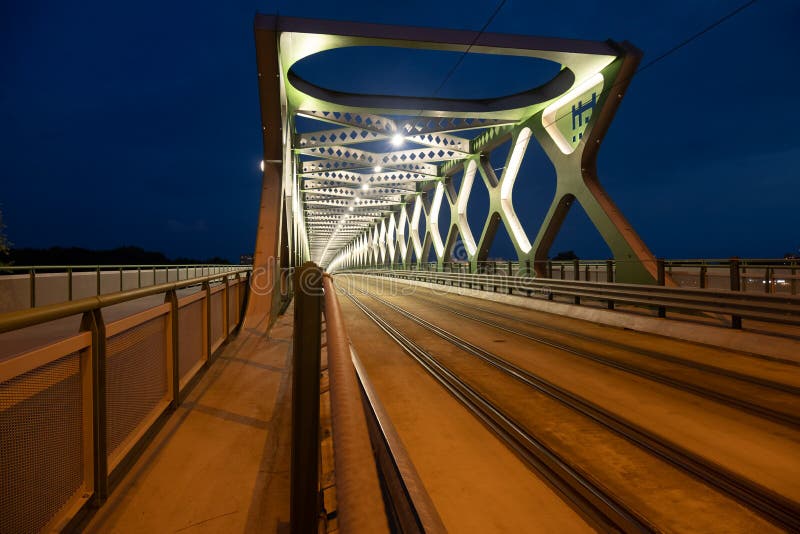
[(718, 22), (463, 55)]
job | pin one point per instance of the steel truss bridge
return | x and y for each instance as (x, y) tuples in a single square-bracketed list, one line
[(393, 393), (331, 197)]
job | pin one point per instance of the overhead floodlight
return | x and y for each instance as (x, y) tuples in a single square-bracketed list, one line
[(262, 165), (377, 168), (397, 139), (350, 208), (364, 187)]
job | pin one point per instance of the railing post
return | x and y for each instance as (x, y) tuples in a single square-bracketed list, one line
[(304, 500), (171, 297), (69, 283), (743, 287), (120, 279), (576, 275), (139, 276), (703, 275), (736, 321), (610, 280), (98, 281), (662, 280), (154, 275), (794, 278), (207, 288), (226, 312), (32, 284), (93, 321), (767, 279)]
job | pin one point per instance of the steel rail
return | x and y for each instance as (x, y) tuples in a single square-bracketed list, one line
[(717, 396), (33, 316), (592, 501), (772, 506)]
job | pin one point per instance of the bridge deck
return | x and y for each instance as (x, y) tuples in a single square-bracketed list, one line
[(221, 462), (592, 394)]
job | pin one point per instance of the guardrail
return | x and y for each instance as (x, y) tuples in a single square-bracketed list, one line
[(777, 276), (756, 306), (370, 462), (28, 286), (75, 413)]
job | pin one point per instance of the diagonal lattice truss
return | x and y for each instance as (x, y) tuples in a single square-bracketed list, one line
[(365, 178), (359, 179)]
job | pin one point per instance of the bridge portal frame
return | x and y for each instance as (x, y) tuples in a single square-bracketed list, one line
[(324, 215)]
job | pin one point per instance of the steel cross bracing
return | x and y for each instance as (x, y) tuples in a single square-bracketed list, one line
[(365, 177)]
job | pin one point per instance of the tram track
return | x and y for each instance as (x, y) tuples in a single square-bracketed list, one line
[(770, 505), (786, 418), (599, 508)]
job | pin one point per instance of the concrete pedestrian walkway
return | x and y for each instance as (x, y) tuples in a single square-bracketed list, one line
[(221, 462)]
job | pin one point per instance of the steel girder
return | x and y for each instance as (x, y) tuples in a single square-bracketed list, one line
[(352, 206)]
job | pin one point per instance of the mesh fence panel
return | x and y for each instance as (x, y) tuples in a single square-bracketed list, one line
[(41, 457), (217, 318), (136, 378), (190, 337)]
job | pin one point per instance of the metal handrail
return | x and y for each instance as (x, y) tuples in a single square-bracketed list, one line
[(772, 273), (33, 316), (358, 490), (377, 488), (783, 309)]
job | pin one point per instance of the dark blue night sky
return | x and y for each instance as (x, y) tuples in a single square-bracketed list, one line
[(138, 123)]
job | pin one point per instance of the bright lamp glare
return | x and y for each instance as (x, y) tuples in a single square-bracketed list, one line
[(350, 208), (397, 139), (262, 165), (364, 187), (377, 168)]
